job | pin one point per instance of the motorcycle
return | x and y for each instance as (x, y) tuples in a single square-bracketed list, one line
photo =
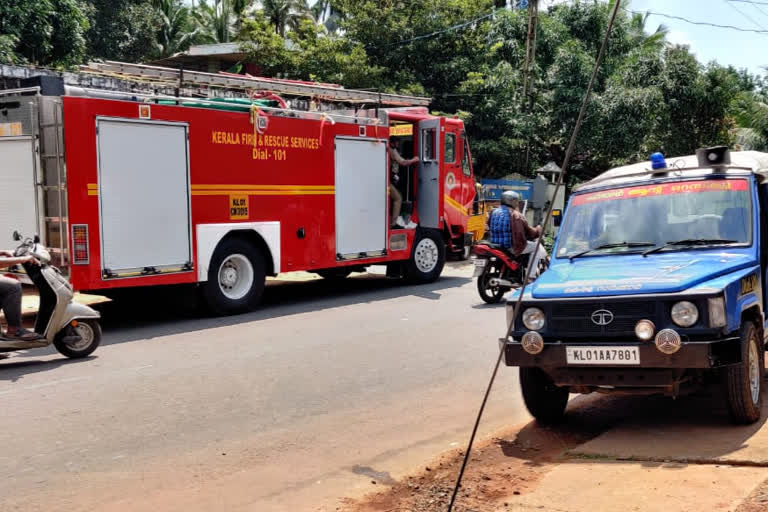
[(71, 327), (498, 271)]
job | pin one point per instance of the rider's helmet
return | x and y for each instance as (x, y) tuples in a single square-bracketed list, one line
[(509, 197)]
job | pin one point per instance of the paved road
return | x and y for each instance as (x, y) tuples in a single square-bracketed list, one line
[(326, 388)]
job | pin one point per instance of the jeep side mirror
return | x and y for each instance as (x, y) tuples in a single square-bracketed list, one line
[(16, 236)]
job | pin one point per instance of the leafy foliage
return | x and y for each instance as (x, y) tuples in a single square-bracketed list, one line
[(44, 32), (468, 55)]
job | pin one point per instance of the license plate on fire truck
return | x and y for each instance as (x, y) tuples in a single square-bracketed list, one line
[(480, 264), (609, 356)]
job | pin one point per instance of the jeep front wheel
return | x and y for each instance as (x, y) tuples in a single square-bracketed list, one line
[(743, 382), (544, 400)]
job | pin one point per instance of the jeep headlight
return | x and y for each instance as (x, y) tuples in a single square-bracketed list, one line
[(716, 308), (533, 319), (685, 314)]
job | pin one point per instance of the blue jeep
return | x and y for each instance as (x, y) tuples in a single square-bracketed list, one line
[(656, 285)]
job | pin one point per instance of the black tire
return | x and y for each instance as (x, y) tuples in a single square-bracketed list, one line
[(230, 250), (90, 333), (334, 274), (545, 401), (427, 257), (543, 265), (490, 295), (740, 379)]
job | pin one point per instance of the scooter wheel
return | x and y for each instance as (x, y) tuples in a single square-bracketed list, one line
[(78, 342)]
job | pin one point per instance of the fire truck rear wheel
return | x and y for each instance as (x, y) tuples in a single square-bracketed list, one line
[(544, 400), (236, 278), (334, 274), (427, 258)]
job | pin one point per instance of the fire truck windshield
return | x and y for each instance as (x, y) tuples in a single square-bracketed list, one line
[(633, 219)]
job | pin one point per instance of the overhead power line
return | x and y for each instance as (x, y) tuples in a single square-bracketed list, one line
[(756, 6), (753, 2), (745, 15), (653, 13), (701, 23), (438, 32)]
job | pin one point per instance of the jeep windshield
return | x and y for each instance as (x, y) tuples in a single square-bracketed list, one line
[(668, 216)]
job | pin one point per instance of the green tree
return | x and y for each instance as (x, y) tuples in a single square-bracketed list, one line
[(284, 14), (220, 20), (177, 30), (329, 58), (44, 32), (751, 110), (266, 47), (123, 30)]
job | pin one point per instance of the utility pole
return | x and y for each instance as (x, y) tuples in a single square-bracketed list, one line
[(528, 71), (530, 47)]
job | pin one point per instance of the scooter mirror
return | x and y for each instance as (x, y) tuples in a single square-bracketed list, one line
[(37, 239), (16, 236)]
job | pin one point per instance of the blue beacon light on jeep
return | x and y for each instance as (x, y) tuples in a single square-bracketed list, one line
[(658, 162)]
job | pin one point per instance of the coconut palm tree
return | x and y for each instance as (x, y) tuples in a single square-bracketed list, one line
[(176, 31), (655, 41), (326, 14), (283, 14), (752, 116), (220, 20)]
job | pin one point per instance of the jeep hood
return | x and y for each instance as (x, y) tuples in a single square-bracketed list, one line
[(633, 274)]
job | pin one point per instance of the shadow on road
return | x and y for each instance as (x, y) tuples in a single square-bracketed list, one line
[(13, 370), (652, 429), (173, 311)]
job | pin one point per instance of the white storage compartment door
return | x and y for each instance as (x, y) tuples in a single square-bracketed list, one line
[(361, 197), (18, 201), (143, 196)]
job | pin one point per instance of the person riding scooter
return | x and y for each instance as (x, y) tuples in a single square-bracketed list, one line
[(10, 298), (71, 327), (510, 230)]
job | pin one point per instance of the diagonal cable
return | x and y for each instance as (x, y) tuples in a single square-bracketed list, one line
[(521, 292)]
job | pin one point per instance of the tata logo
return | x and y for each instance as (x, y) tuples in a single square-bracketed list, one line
[(602, 317)]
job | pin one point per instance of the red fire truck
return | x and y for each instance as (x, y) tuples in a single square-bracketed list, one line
[(144, 190)]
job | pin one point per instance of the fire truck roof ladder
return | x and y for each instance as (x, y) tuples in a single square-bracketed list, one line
[(172, 76)]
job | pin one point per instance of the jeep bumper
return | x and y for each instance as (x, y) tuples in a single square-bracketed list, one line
[(692, 354)]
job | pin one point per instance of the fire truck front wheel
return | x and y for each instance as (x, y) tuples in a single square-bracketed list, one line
[(427, 258), (236, 278)]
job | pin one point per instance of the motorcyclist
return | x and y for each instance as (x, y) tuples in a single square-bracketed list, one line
[(10, 298), (510, 229)]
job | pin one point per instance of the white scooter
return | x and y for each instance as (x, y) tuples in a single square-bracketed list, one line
[(73, 328)]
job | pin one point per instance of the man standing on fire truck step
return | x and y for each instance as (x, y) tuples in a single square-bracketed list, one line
[(397, 199), (510, 230)]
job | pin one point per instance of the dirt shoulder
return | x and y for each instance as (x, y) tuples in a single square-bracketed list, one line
[(534, 467), (757, 501)]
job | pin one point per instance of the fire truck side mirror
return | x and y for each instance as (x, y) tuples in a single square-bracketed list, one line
[(557, 218)]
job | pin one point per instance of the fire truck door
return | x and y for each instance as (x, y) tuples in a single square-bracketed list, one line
[(428, 194), (18, 200), (143, 196), (361, 197)]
